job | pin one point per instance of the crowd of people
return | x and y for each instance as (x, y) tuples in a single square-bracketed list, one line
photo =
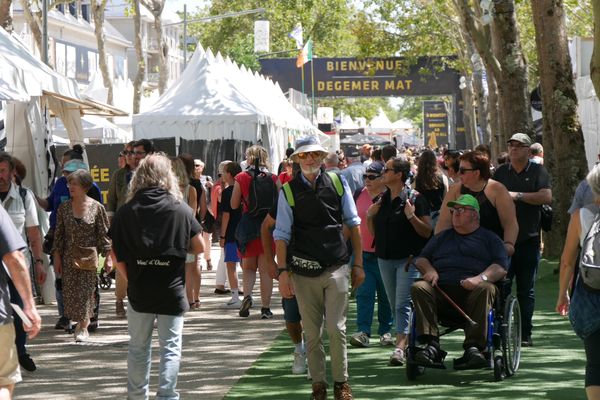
[(388, 224)]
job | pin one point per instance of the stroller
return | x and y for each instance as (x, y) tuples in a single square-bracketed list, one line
[(106, 278)]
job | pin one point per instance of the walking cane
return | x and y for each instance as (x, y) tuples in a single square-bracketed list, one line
[(460, 310)]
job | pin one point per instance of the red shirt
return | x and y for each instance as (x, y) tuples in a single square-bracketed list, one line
[(244, 179)]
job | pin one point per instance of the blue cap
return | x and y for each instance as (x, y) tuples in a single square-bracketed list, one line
[(375, 167), (74, 165)]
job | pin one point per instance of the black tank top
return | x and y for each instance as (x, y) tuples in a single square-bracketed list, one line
[(488, 215), (435, 197)]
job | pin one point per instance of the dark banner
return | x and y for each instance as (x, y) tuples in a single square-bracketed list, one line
[(352, 77), (214, 151), (435, 123)]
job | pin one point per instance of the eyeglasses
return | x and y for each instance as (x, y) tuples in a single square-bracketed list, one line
[(518, 145), (139, 153), (462, 170), (460, 210), (312, 154), (371, 177)]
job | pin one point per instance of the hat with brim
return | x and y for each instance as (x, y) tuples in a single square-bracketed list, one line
[(306, 145), (74, 165), (466, 200), (521, 138)]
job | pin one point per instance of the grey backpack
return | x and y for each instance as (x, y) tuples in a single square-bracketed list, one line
[(589, 266)]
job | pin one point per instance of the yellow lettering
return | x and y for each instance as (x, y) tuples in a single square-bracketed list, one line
[(344, 66), (104, 175), (321, 84), (105, 196), (352, 66), (399, 85), (389, 65), (329, 86), (346, 86), (389, 85), (356, 85), (408, 84), (329, 66), (374, 85), (95, 172)]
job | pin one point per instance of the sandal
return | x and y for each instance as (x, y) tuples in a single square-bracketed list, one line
[(195, 305)]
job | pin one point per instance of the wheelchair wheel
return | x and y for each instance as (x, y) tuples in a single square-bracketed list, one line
[(105, 281), (498, 369), (511, 340)]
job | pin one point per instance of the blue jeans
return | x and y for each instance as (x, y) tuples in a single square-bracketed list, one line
[(397, 284), (140, 326), (523, 267), (365, 298)]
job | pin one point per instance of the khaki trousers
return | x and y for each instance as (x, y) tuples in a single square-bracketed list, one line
[(325, 296), (430, 304)]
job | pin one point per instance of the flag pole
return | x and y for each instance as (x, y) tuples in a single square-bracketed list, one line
[(312, 79)]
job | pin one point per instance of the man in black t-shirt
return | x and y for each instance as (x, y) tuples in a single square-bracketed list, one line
[(151, 235), (528, 184)]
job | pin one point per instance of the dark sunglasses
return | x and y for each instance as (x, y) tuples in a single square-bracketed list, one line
[(460, 210), (371, 177), (126, 153), (462, 170), (313, 155)]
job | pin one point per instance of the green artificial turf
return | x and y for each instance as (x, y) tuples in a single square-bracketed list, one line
[(552, 369)]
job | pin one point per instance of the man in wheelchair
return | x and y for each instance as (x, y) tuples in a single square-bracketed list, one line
[(462, 262)]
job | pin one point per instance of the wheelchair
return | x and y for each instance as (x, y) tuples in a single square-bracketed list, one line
[(503, 348)]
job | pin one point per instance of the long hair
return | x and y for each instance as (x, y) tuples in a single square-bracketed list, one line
[(154, 171), (428, 173), (180, 172), (257, 152)]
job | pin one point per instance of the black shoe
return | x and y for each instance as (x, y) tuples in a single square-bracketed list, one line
[(62, 323), (93, 325), (430, 355), (527, 342), (26, 362), (222, 291), (265, 313), (245, 307), (471, 359)]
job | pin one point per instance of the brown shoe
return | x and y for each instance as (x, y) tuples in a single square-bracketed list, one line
[(319, 391), (342, 391)]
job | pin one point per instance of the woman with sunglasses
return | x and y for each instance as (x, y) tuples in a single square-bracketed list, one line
[(497, 210), (431, 183), (401, 225)]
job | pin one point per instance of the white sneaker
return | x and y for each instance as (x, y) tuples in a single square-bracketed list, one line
[(234, 303), (81, 335), (359, 339), (386, 339), (299, 366)]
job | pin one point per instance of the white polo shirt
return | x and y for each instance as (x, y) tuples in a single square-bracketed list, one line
[(22, 215)]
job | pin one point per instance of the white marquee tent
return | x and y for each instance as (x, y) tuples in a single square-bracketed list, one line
[(216, 99)]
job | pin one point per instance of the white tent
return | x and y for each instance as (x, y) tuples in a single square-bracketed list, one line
[(98, 128), (216, 99), (589, 115), (380, 123)]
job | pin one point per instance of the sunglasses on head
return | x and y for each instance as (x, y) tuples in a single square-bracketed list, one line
[(312, 154), (371, 177)]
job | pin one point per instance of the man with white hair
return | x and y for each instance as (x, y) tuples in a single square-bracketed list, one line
[(355, 170), (313, 260)]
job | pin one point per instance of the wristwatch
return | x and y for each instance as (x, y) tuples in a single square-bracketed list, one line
[(484, 277), (280, 270), (519, 196)]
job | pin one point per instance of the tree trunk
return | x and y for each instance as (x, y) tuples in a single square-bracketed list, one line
[(494, 114), (156, 8), (469, 116), (34, 20), (141, 64), (98, 8), (163, 65), (483, 118), (595, 63), (562, 130), (513, 94), (5, 18)]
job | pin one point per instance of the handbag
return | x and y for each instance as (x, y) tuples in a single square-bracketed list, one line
[(85, 258), (48, 242), (208, 223), (546, 218)]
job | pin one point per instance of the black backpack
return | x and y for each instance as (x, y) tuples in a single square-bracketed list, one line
[(263, 192)]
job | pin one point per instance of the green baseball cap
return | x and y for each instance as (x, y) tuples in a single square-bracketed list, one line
[(465, 200)]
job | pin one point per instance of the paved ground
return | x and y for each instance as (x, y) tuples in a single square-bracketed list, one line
[(218, 347)]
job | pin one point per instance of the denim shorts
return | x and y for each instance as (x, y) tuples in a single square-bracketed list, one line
[(231, 252), (291, 313)]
